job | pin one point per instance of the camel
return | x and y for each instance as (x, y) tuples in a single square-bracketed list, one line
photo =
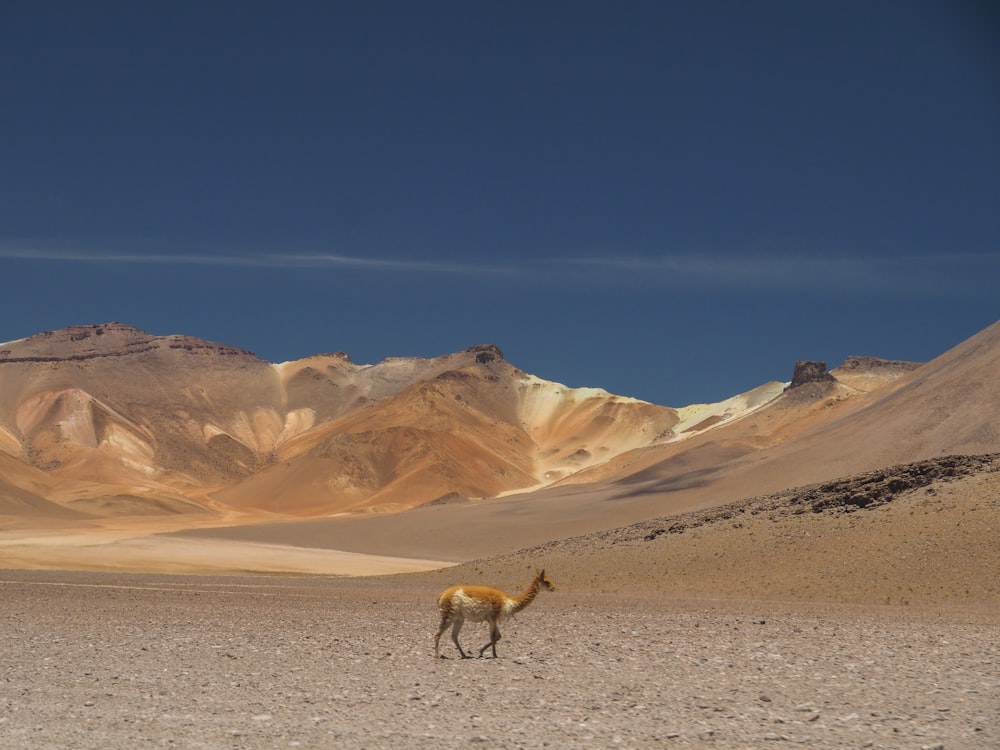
[(483, 603)]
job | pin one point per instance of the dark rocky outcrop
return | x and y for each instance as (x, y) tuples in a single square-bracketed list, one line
[(486, 353), (810, 372)]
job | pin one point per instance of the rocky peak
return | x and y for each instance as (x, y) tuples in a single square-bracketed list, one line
[(78, 342), (486, 353), (810, 372), (90, 335), (868, 373), (857, 363), (85, 342)]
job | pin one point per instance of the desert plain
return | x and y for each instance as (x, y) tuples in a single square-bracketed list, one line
[(725, 628)]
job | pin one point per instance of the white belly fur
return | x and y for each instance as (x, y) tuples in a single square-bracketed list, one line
[(475, 609)]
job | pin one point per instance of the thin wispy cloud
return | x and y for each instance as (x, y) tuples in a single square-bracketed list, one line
[(751, 271), (933, 274), (321, 260), (252, 260), (938, 274), (111, 258)]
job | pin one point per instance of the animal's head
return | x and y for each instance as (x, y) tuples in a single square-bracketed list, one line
[(544, 582)]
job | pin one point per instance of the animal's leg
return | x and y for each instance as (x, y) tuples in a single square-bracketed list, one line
[(494, 637), (445, 622), (454, 635)]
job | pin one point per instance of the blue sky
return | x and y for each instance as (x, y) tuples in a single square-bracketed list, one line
[(673, 201)]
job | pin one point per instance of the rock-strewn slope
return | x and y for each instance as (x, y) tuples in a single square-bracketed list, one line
[(920, 534)]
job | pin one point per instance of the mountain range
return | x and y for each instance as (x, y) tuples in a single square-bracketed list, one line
[(105, 425)]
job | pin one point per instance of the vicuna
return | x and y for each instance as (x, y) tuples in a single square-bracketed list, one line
[(483, 604)]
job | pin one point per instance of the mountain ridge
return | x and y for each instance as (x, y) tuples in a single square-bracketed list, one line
[(112, 405), (110, 421)]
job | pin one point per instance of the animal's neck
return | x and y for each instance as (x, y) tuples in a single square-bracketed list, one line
[(527, 597)]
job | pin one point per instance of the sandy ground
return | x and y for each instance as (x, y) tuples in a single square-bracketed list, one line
[(136, 549), (124, 661)]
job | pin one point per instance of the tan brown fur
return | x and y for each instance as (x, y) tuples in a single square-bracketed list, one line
[(483, 604)]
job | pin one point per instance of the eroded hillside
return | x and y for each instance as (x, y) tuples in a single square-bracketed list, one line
[(99, 421), (118, 421)]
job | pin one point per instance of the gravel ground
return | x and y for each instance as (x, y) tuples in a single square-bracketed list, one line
[(115, 661)]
